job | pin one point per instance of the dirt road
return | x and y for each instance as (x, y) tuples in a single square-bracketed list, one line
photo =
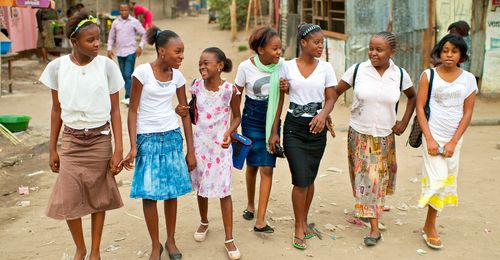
[(471, 231)]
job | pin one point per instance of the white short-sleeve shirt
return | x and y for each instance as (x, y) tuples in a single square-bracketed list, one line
[(255, 82), (83, 91), (374, 101), (155, 113), (311, 89), (447, 103)]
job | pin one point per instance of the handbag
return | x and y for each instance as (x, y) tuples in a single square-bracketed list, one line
[(415, 137), (241, 146), (193, 109)]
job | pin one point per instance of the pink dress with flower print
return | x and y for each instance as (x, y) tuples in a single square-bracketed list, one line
[(212, 176)]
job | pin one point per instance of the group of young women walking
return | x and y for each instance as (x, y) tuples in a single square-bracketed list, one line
[(85, 98)]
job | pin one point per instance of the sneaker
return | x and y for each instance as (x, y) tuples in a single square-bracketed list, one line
[(125, 101)]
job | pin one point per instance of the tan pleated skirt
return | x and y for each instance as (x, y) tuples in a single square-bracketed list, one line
[(84, 184)]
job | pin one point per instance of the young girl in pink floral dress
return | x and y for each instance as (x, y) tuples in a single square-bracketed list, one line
[(216, 100)]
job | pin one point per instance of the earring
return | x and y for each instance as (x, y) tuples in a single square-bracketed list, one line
[(220, 70), (163, 57)]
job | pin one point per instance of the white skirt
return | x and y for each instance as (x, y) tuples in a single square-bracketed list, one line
[(439, 178)]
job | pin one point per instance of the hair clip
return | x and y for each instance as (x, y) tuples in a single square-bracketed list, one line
[(82, 22), (158, 32)]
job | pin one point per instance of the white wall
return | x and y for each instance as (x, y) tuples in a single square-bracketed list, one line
[(491, 73)]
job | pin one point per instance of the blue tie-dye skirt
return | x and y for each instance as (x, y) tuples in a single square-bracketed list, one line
[(160, 168)]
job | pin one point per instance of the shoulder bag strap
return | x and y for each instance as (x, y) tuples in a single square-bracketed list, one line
[(427, 108)]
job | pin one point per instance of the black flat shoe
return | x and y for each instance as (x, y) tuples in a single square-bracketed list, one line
[(371, 241), (248, 215), (265, 229), (173, 256)]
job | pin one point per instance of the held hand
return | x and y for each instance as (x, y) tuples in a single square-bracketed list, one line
[(128, 161), (54, 162), (191, 161), (115, 163), (111, 55), (433, 147), (449, 149), (399, 128), (227, 140), (284, 86), (138, 52), (273, 140), (317, 124), (181, 110)]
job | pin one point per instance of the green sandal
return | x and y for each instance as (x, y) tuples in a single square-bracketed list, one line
[(302, 244), (309, 234)]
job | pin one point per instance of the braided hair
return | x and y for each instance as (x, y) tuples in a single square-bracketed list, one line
[(389, 37), (306, 29)]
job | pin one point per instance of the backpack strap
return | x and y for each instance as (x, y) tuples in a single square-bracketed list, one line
[(427, 108), (400, 87), (354, 76)]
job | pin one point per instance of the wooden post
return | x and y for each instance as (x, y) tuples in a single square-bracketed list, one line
[(429, 36), (255, 14), (234, 23), (249, 10)]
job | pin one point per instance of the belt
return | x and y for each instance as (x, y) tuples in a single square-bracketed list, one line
[(311, 108)]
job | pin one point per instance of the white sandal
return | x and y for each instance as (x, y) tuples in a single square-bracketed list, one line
[(233, 255), (200, 236)]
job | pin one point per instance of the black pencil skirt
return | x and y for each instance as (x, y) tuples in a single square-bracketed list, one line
[(303, 149)]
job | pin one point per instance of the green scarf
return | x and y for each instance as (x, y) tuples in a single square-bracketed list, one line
[(274, 92)]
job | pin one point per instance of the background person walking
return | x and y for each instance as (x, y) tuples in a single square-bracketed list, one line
[(122, 34)]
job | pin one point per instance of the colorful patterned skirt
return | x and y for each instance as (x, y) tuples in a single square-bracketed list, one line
[(372, 169), (439, 178)]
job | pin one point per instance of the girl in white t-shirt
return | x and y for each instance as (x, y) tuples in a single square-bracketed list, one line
[(85, 98), (451, 103), (377, 85), (161, 172), (259, 76), (304, 133)]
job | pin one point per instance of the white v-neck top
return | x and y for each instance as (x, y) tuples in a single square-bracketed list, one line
[(311, 89), (374, 101), (155, 113)]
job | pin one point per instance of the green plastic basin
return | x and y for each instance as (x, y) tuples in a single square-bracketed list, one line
[(15, 123)]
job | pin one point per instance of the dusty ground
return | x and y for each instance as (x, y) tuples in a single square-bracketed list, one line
[(471, 231)]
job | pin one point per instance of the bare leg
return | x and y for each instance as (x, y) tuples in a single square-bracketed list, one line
[(170, 219), (203, 208), (251, 176), (309, 198), (45, 57), (374, 231), (75, 227), (151, 215), (430, 225), (299, 196), (266, 182), (226, 206), (97, 226)]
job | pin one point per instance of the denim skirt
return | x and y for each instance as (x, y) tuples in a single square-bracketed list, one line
[(253, 126), (160, 168)]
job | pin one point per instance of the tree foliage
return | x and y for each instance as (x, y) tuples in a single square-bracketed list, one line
[(223, 8)]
